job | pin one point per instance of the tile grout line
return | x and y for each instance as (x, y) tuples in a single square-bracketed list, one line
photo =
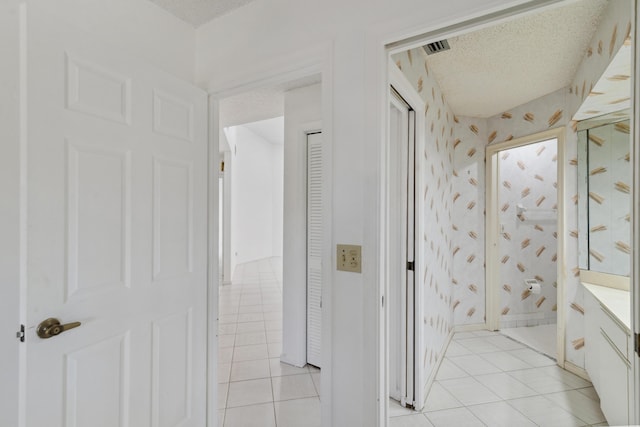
[(571, 387)]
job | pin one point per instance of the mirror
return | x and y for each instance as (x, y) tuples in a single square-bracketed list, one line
[(604, 194), (605, 170)]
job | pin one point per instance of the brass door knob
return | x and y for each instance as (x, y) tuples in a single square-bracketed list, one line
[(52, 327)]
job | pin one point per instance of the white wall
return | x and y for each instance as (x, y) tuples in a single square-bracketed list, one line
[(137, 27), (254, 192), (278, 198), (227, 268), (302, 107), (348, 39)]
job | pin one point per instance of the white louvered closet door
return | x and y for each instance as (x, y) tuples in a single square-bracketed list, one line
[(314, 248)]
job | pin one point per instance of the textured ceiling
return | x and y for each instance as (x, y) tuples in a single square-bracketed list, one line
[(495, 69), (259, 104), (251, 107), (198, 12)]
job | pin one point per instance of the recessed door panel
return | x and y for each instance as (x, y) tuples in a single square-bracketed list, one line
[(97, 384), (172, 218), (99, 214), (172, 338), (172, 116), (98, 91)]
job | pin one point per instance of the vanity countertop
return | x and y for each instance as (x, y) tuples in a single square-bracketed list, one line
[(616, 301)]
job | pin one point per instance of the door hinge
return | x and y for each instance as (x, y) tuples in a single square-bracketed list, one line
[(637, 343), (20, 333), (410, 265)]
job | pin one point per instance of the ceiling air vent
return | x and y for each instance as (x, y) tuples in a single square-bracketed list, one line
[(436, 47)]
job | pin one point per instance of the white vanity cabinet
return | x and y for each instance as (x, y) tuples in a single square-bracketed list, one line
[(608, 350), (592, 338)]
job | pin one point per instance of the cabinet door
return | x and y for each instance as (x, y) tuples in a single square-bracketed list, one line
[(593, 339), (613, 390)]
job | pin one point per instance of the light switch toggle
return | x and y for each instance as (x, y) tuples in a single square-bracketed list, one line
[(349, 258)]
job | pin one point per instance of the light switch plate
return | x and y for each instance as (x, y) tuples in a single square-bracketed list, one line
[(349, 258)]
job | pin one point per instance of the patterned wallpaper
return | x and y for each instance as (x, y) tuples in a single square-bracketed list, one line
[(608, 197), (471, 133), (527, 201), (434, 199), (468, 221), (461, 141), (547, 112), (611, 92), (614, 28)]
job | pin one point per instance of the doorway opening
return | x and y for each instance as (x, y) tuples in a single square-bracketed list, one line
[(255, 162), (467, 126), (524, 240), (273, 244)]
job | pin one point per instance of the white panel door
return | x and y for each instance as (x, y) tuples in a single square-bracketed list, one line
[(116, 237), (314, 248), (401, 243)]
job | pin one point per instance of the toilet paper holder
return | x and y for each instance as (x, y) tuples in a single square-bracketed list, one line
[(532, 285)]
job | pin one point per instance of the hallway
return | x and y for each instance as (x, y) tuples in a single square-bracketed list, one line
[(487, 379), (254, 388)]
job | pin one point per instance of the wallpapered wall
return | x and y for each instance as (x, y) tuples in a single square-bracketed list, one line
[(541, 114), (614, 28), (469, 137), (608, 171), (468, 220), (527, 202), (434, 202)]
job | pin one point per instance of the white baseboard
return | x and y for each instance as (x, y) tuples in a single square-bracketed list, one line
[(471, 328), (434, 372), (574, 369)]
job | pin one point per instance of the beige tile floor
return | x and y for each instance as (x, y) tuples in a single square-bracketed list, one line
[(487, 379), (542, 337), (254, 387)]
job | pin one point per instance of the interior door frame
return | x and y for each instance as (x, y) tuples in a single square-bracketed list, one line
[(635, 263), (388, 45), (492, 269), (213, 274), (315, 61), (401, 85), (13, 205)]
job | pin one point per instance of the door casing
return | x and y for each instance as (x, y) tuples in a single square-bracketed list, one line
[(492, 269), (316, 60)]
